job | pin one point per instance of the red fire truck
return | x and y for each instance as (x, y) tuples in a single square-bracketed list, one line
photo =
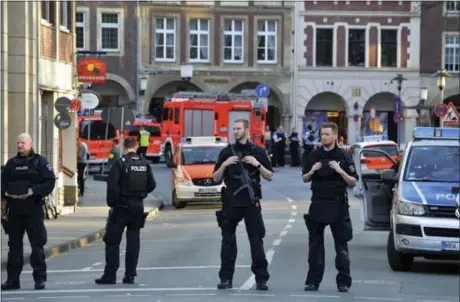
[(192, 114), (97, 135), (154, 150)]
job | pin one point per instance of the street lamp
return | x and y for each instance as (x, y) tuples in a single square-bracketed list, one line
[(421, 106), (441, 75), (186, 72), (143, 84), (399, 79)]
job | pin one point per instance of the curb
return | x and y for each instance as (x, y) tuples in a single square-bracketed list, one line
[(85, 240)]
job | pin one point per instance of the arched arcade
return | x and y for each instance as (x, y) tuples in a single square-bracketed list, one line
[(383, 122)]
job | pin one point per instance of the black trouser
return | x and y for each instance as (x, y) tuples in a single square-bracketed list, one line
[(280, 153), (256, 232), (306, 150), (142, 151), (33, 225), (341, 229), (294, 150), (81, 178), (118, 219)]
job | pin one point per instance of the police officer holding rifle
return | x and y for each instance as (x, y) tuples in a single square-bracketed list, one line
[(330, 171), (240, 166), (129, 181)]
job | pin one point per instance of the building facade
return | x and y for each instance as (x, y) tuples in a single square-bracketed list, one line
[(37, 48), (440, 48), (232, 45), (347, 53), (108, 29)]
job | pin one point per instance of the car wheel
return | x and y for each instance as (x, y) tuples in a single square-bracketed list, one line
[(176, 203), (155, 160), (398, 261)]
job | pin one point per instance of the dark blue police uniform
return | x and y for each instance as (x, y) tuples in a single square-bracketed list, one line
[(329, 207), (21, 173), (129, 181), (236, 208)]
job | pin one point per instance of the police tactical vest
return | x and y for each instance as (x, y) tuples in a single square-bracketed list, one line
[(134, 179), (23, 174)]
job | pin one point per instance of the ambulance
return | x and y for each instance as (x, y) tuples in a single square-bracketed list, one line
[(419, 204), (196, 114), (192, 172), (97, 135), (154, 150)]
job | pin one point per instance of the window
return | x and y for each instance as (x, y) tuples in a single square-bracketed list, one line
[(46, 11), (388, 46), (199, 40), (176, 116), (453, 7), (452, 53), (233, 41), (324, 42), (266, 41), (110, 35), (356, 47), (200, 155), (64, 14), (165, 39), (80, 21)]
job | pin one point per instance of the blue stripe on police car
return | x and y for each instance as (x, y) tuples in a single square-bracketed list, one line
[(430, 193)]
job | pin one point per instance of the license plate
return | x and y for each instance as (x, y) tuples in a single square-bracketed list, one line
[(92, 157), (207, 190), (450, 246)]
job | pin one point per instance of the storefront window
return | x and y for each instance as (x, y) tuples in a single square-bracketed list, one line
[(317, 118)]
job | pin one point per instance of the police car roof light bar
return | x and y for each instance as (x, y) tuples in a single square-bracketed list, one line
[(420, 133), (372, 138)]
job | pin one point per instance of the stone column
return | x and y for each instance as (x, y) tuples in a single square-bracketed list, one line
[(286, 122), (4, 82), (69, 149), (410, 122)]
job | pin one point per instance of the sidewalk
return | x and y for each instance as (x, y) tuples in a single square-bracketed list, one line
[(81, 228)]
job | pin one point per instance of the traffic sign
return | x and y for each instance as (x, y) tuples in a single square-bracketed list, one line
[(397, 104), (62, 104), (440, 110), (262, 90), (89, 99), (62, 121), (398, 118), (119, 117), (451, 117)]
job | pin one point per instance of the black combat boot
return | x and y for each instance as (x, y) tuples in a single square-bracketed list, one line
[(225, 284), (262, 285), (105, 280), (39, 285), (10, 285), (128, 279), (311, 287)]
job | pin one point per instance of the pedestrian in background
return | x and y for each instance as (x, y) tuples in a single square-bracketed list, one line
[(294, 147), (129, 182), (330, 171), (144, 141), (115, 152), (27, 179), (280, 138), (82, 162), (241, 200)]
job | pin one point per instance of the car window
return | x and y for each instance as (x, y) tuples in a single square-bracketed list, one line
[(200, 155), (391, 150), (423, 166)]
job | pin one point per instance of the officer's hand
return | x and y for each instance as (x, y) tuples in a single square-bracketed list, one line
[(13, 196), (335, 165), (29, 193), (316, 167), (231, 160), (251, 160)]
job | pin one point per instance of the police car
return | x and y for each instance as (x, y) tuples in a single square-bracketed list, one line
[(419, 204), (193, 170)]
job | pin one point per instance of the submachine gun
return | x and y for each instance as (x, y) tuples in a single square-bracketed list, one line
[(245, 179)]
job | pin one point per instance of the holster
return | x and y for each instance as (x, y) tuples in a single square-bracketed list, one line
[(144, 219), (347, 229), (308, 221), (219, 218)]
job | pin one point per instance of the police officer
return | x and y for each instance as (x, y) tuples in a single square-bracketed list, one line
[(294, 147), (129, 181), (144, 140), (331, 171), (26, 180), (242, 201), (280, 138)]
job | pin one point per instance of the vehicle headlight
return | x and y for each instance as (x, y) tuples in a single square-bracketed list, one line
[(184, 182), (410, 209)]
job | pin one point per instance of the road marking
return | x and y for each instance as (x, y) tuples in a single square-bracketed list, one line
[(291, 220), (19, 298), (380, 299), (252, 280), (184, 295), (288, 226), (97, 263), (159, 268), (294, 207), (289, 199), (255, 295), (283, 233), (276, 242), (314, 296), (434, 301), (63, 297), (108, 290), (294, 213)]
